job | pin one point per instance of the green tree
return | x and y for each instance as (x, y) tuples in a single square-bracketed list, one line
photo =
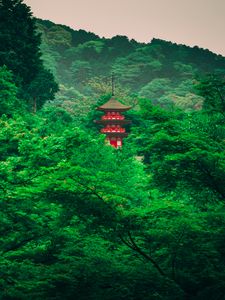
[(19, 51), (212, 89), (19, 42), (63, 207), (41, 89), (9, 102), (155, 89), (81, 71)]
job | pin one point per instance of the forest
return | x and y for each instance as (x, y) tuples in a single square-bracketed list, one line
[(82, 220)]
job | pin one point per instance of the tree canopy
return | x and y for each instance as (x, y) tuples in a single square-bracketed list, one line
[(82, 220), (20, 51)]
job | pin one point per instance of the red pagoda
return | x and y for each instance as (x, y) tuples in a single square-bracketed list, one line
[(113, 122)]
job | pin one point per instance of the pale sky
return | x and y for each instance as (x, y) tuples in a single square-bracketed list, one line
[(189, 22)]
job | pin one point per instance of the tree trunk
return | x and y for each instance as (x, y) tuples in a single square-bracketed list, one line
[(34, 105)]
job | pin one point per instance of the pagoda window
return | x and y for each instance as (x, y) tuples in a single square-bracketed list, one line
[(108, 116), (113, 115), (118, 116), (119, 143), (117, 128)]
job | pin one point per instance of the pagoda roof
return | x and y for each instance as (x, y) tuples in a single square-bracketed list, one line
[(115, 105)]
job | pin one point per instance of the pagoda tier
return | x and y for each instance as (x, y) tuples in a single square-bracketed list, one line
[(116, 122), (113, 121), (113, 128), (118, 135)]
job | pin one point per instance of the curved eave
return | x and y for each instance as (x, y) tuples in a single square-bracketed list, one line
[(114, 121), (113, 109)]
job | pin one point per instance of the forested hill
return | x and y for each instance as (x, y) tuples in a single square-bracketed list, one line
[(161, 71), (80, 220)]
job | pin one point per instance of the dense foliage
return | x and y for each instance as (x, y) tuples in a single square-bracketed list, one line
[(20, 52), (80, 220), (161, 71)]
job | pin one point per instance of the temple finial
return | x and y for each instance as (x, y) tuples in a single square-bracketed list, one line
[(113, 84)]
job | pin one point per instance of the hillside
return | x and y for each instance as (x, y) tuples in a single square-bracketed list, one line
[(83, 220), (161, 71)]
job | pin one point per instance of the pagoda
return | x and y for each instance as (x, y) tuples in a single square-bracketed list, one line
[(113, 122)]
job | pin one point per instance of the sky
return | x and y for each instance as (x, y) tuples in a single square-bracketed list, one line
[(189, 22)]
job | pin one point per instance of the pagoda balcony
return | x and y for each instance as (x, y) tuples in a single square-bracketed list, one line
[(113, 117), (107, 130)]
